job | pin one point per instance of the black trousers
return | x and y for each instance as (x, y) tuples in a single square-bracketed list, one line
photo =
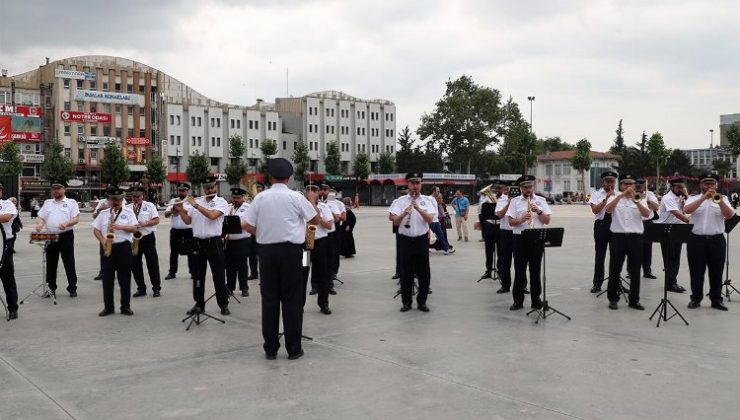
[(319, 273), (337, 250), (175, 236), (491, 238), (398, 255), (647, 250), (414, 260), (706, 252), (671, 260), (602, 234), (148, 250), (7, 275), (621, 246), (281, 271), (117, 265), (252, 255), (209, 251), (505, 254), (332, 250), (236, 252), (527, 255), (66, 247)]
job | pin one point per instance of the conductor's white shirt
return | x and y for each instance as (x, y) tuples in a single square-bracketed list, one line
[(280, 215)]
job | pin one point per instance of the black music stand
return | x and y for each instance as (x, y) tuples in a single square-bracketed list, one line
[(729, 288), (624, 287), (45, 291), (549, 238), (195, 315), (668, 232)]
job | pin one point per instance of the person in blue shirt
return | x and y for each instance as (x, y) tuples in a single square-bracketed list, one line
[(461, 205)]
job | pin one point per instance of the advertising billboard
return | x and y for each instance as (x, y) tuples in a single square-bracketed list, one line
[(74, 74), (86, 117), (20, 123), (137, 141), (109, 97)]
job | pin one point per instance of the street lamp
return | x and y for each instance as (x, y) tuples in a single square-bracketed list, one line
[(530, 99)]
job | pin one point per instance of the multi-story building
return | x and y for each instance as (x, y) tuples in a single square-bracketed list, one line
[(555, 173), (725, 122), (703, 158)]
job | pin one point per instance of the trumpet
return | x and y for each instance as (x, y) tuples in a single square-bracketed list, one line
[(717, 198), (637, 197)]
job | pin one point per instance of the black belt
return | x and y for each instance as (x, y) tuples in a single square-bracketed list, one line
[(209, 240), (719, 235), (627, 233), (121, 243), (414, 238)]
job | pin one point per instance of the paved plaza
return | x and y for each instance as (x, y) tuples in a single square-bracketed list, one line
[(469, 358)]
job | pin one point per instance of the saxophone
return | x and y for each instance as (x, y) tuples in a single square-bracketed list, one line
[(108, 247), (137, 234)]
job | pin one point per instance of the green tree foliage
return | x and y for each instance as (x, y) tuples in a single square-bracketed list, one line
[(582, 160), (619, 147), (361, 166), (722, 167), (197, 169), (56, 167), (518, 148), (268, 149), (235, 169), (657, 153), (386, 163), (333, 160), (113, 167), (733, 143), (155, 169), (236, 147), (302, 161), (636, 160), (552, 144), (405, 151), (467, 119), (678, 163), (11, 159)]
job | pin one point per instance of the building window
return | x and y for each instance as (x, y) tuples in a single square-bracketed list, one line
[(130, 88), (200, 141), (310, 128), (106, 130), (200, 122), (566, 169), (172, 120), (232, 123), (548, 170), (118, 132), (118, 87), (129, 109), (327, 112), (257, 143), (285, 145), (256, 125), (80, 106), (80, 129), (192, 121), (81, 154), (142, 111), (94, 130), (105, 86), (558, 169), (93, 85), (193, 141), (214, 162), (130, 132), (239, 124), (327, 129), (172, 140), (66, 129), (118, 109), (218, 141), (65, 82), (79, 84), (94, 154), (213, 122), (106, 108), (251, 124), (178, 140), (67, 106)]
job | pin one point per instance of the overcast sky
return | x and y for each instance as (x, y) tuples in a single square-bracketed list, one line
[(660, 65)]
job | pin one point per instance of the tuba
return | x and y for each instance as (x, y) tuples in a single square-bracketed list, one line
[(488, 192)]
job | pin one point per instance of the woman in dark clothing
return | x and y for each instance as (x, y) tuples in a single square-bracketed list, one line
[(348, 226)]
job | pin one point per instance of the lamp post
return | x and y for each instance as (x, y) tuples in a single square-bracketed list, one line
[(177, 163), (530, 99)]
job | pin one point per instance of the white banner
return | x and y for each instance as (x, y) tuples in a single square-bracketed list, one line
[(74, 74), (32, 158), (109, 97)]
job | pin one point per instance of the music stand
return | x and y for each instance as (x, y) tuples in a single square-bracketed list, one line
[(549, 238), (669, 232), (45, 291), (195, 314), (729, 288)]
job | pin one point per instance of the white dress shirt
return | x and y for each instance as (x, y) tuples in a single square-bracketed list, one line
[(337, 208), (626, 217), (55, 212), (280, 215), (147, 212), (7, 207), (204, 227), (501, 202), (650, 197), (668, 204), (597, 197), (708, 218), (242, 213), (327, 215), (176, 221), (125, 218), (519, 207), (417, 225)]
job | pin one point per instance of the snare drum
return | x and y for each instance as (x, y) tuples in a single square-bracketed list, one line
[(44, 237)]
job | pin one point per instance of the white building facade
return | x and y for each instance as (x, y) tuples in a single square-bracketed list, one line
[(555, 173)]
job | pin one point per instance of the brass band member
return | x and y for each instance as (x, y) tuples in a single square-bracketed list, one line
[(706, 245), (490, 228), (320, 259), (148, 218), (647, 244), (527, 211), (626, 240), (602, 222), (506, 240), (335, 236), (181, 233), (412, 214), (671, 211), (402, 190), (102, 205), (116, 226), (59, 215), (236, 252), (8, 212)]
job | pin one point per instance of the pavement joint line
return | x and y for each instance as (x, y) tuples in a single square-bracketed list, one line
[(41, 390)]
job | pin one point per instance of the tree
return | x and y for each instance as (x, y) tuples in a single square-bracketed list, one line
[(302, 161), (518, 148), (236, 147), (582, 161), (156, 171), (268, 149), (722, 167), (551, 144), (113, 167), (658, 154), (678, 163), (361, 166), (386, 163), (56, 167), (197, 169), (333, 160), (405, 151), (11, 159), (733, 144), (235, 169), (619, 147), (468, 119)]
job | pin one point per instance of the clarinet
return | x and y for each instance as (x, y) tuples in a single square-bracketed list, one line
[(407, 225)]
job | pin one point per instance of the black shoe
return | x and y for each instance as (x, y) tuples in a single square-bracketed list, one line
[(127, 311), (675, 288), (105, 312), (537, 304), (406, 307), (719, 305), (502, 290), (636, 305), (649, 276), (194, 310), (516, 306), (395, 277), (13, 314), (325, 310), (312, 292), (270, 356), (422, 307), (332, 291), (526, 291), (613, 305), (628, 277), (225, 311), (486, 275), (73, 294), (139, 293), (596, 288), (252, 277), (296, 356), (156, 293), (245, 293), (98, 277), (429, 292), (694, 304), (169, 276)]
